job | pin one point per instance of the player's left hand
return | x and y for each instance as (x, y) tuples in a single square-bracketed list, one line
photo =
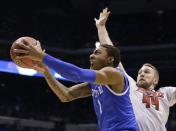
[(41, 68), (28, 50), (101, 21)]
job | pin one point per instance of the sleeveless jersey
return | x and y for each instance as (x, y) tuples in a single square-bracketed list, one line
[(151, 111), (114, 110)]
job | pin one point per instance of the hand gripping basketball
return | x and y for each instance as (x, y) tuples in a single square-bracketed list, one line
[(20, 58)]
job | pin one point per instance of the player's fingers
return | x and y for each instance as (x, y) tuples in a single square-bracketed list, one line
[(38, 68), (95, 19), (33, 47), (108, 13), (38, 44), (22, 57), (25, 42), (28, 45), (21, 51), (100, 15), (104, 10), (35, 67), (22, 45)]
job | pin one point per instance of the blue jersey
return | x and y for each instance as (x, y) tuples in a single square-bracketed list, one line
[(114, 110)]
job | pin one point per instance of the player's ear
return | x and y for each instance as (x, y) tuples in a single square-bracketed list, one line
[(155, 81), (110, 60)]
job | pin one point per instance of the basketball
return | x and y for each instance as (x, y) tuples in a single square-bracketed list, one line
[(23, 62)]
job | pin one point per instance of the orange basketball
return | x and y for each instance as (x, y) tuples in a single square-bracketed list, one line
[(23, 62)]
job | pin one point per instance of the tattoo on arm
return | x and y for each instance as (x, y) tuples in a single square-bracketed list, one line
[(80, 91), (67, 94)]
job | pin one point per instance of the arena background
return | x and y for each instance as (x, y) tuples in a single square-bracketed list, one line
[(145, 31)]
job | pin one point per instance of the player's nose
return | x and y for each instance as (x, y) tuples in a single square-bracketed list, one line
[(142, 74), (91, 56)]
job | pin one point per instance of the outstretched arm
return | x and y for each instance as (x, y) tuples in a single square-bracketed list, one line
[(106, 76), (101, 27), (102, 31), (64, 93), (67, 70), (170, 94)]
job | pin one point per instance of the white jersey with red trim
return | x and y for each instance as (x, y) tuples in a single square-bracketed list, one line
[(151, 109)]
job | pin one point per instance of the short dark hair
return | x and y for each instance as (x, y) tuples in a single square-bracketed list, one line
[(114, 52)]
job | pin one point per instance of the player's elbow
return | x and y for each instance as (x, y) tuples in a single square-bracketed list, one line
[(70, 96), (65, 100)]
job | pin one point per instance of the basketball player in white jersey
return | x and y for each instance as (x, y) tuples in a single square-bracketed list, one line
[(151, 107)]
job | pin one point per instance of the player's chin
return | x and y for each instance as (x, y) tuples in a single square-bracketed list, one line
[(91, 67), (140, 83), (143, 85)]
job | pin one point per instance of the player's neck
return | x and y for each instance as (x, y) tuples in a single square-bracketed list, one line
[(151, 88)]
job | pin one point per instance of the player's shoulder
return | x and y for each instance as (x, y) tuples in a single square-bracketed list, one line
[(108, 68), (111, 69), (111, 72), (166, 88)]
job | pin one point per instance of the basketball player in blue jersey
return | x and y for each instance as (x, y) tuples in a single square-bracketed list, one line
[(151, 107), (108, 85)]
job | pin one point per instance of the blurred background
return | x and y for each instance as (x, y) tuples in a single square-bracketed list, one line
[(144, 30)]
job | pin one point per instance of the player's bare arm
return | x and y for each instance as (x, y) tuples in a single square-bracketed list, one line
[(67, 94), (64, 93), (110, 76), (101, 28), (102, 31)]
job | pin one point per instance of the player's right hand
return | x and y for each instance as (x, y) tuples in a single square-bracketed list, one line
[(30, 51)]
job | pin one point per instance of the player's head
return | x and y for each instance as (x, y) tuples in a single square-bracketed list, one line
[(104, 55), (148, 76)]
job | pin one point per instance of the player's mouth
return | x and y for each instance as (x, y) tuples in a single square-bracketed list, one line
[(141, 79), (91, 63)]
